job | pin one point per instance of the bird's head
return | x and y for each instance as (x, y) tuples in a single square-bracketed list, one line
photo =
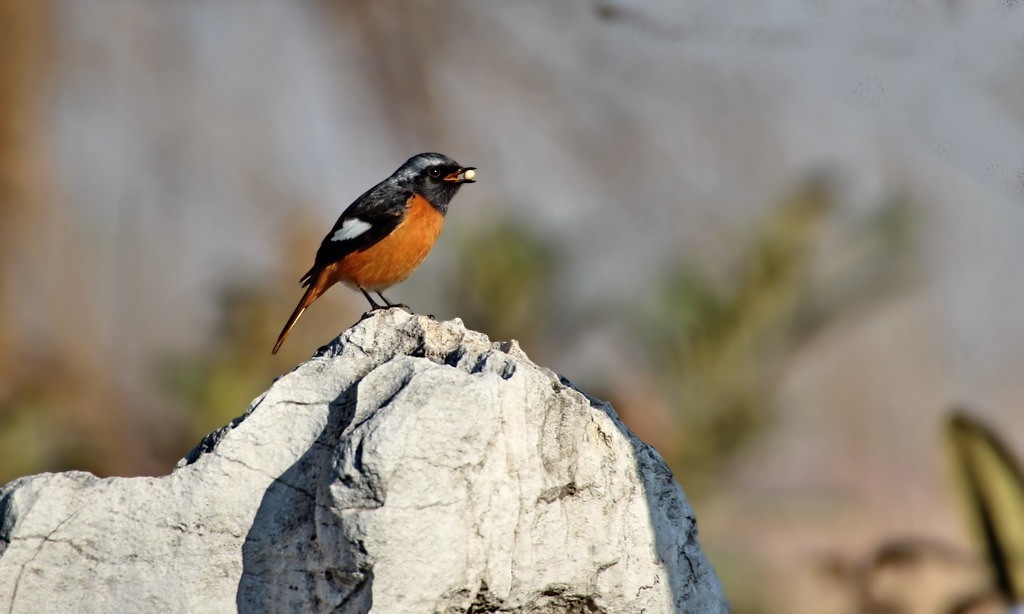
[(435, 177)]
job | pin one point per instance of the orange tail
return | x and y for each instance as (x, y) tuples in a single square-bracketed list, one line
[(313, 292)]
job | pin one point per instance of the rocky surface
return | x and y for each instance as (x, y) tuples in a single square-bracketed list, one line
[(411, 465)]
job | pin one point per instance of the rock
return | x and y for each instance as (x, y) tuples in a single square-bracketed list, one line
[(411, 465)]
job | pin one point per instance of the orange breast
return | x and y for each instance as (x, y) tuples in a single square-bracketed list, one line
[(395, 257)]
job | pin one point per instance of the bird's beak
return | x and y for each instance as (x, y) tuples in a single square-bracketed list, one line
[(463, 175)]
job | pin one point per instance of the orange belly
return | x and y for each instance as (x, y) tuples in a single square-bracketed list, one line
[(395, 257)]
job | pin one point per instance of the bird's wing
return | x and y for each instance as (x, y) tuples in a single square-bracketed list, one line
[(369, 219)]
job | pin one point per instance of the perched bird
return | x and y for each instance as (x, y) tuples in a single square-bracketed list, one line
[(386, 233)]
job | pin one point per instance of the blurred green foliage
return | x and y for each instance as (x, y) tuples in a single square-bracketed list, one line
[(57, 416), (503, 282), (215, 384), (990, 483), (34, 434), (719, 347)]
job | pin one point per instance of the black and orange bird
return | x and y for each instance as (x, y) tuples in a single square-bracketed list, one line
[(382, 237)]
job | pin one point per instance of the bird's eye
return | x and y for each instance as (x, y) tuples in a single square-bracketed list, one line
[(434, 172)]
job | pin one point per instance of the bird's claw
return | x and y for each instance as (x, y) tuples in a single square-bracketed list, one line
[(377, 308)]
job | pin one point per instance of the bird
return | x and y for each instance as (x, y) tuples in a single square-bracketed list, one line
[(382, 237)]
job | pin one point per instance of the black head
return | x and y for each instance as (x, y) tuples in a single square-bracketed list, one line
[(434, 176)]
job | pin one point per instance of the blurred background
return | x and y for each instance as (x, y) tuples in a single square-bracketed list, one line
[(782, 237)]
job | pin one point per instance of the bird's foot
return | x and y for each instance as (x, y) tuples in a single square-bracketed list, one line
[(373, 310), (398, 305)]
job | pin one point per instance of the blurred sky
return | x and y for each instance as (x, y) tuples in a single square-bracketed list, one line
[(188, 142)]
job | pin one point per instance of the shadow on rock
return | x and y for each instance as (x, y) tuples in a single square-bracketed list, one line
[(678, 550), (283, 566)]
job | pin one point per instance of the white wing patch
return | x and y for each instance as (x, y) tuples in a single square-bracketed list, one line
[(351, 229)]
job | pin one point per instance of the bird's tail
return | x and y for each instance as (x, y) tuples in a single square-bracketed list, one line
[(315, 287)]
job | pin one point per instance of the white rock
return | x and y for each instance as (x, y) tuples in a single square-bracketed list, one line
[(411, 465)]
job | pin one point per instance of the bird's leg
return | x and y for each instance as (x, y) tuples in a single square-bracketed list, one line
[(390, 304), (373, 304)]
